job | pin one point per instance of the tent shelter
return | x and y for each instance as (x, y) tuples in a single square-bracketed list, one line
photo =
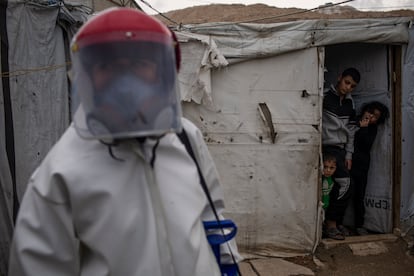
[(256, 92), (34, 94)]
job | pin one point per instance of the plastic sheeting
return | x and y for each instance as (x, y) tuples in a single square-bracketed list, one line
[(39, 86), (199, 57), (38, 33), (407, 192), (271, 189), (231, 43), (244, 41), (6, 197)]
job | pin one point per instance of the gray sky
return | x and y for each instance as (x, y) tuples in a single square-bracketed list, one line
[(364, 5)]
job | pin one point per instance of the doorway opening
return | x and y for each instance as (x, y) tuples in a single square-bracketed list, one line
[(380, 81)]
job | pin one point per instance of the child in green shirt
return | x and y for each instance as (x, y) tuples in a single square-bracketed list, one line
[(329, 167)]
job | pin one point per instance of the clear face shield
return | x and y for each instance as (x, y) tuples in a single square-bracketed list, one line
[(125, 89)]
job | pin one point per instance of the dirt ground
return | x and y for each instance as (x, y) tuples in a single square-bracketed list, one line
[(340, 261)]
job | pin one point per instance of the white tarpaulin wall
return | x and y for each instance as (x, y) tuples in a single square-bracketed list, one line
[(272, 189), (39, 85), (266, 181), (407, 193), (35, 100)]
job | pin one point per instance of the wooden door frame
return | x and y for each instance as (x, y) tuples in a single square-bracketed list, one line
[(395, 54)]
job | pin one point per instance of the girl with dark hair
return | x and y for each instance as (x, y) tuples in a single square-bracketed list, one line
[(372, 114)]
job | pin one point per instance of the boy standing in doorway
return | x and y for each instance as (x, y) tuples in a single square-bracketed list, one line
[(338, 130)]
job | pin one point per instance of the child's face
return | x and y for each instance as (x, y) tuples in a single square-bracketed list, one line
[(329, 168), (372, 117), (345, 85)]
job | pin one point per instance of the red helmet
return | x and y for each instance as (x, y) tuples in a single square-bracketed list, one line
[(125, 65), (125, 24)]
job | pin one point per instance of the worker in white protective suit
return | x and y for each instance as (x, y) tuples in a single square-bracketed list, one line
[(119, 194)]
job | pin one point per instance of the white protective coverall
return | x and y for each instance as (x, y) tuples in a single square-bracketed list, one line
[(86, 213)]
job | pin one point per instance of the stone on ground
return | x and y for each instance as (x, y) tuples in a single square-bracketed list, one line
[(368, 248), (273, 267)]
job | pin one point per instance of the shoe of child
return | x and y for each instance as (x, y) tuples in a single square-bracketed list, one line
[(345, 231), (361, 231), (334, 233)]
